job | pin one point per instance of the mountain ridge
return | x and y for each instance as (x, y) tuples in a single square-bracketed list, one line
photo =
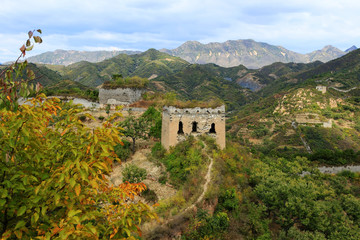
[(250, 53), (230, 53), (68, 57)]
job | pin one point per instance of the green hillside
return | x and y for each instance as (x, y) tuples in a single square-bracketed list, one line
[(342, 73), (274, 125), (44, 75), (203, 82), (147, 64)]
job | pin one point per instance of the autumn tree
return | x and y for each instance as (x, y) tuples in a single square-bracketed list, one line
[(53, 170)]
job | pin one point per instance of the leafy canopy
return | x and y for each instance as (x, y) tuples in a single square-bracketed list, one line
[(53, 170)]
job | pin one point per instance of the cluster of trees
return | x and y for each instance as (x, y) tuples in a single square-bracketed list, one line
[(271, 198), (315, 206), (53, 168)]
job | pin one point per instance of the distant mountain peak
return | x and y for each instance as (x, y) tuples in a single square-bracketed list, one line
[(247, 52), (352, 48)]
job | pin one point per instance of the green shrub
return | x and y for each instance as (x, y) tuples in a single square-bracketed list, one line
[(153, 116), (149, 195), (158, 151), (82, 118), (123, 151), (347, 174), (101, 118), (133, 174), (163, 178), (205, 226), (228, 200)]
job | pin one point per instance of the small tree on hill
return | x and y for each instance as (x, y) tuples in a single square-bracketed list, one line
[(135, 128), (153, 116)]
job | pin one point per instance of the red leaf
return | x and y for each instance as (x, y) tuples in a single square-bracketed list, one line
[(30, 34), (38, 87), (22, 49)]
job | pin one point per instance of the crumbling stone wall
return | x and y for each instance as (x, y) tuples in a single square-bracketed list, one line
[(119, 96), (322, 89), (179, 123)]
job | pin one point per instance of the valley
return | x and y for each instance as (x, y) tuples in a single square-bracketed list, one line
[(282, 120)]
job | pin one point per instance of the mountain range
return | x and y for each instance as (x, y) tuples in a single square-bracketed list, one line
[(231, 53), (249, 53), (67, 57)]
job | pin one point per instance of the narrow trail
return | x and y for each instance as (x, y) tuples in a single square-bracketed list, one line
[(306, 145), (205, 188)]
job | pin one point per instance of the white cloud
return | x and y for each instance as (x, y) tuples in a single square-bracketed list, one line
[(301, 25)]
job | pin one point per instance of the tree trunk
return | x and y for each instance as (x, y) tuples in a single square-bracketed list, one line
[(133, 145)]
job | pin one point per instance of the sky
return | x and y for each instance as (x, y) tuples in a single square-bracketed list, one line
[(87, 25)]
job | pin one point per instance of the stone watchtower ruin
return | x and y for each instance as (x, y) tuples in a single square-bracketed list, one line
[(178, 123), (119, 96)]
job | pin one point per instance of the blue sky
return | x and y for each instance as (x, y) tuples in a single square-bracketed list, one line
[(298, 25)]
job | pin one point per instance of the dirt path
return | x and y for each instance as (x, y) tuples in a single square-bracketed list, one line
[(171, 228), (205, 187)]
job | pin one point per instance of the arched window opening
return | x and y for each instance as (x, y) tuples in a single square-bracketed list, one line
[(180, 131), (212, 129), (194, 127)]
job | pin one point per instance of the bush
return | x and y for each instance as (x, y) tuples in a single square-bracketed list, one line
[(123, 151), (101, 118), (158, 151), (347, 174), (163, 178), (149, 195), (82, 118), (205, 226), (133, 174), (228, 200), (153, 116)]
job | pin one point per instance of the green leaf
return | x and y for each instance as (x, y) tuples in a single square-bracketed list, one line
[(2, 202), (43, 210), (21, 211), (30, 48), (4, 193), (73, 213), (72, 182), (39, 31), (127, 231), (57, 198), (36, 199), (20, 224), (35, 217)]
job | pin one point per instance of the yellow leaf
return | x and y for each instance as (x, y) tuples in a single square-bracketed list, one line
[(62, 134), (77, 189)]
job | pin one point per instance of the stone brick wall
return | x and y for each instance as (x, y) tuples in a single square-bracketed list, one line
[(119, 96), (179, 123)]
